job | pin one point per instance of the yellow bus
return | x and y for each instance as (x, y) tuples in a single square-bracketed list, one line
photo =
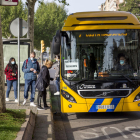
[(100, 62)]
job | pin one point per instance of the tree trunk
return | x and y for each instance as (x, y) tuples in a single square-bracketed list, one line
[(31, 4), (2, 81)]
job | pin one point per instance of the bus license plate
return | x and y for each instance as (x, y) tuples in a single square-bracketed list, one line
[(104, 106)]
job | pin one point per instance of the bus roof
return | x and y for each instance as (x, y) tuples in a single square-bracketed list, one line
[(106, 19)]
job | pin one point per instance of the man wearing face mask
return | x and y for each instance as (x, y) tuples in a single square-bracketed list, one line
[(122, 63), (30, 68)]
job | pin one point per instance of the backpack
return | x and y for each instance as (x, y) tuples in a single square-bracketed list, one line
[(27, 62)]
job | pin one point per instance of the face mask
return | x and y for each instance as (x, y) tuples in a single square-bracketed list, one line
[(32, 58), (121, 62), (12, 62)]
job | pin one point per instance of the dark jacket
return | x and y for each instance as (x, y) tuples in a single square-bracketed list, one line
[(124, 67), (43, 80), (30, 75), (8, 72)]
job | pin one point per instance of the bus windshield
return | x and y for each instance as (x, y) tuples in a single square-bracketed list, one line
[(100, 54)]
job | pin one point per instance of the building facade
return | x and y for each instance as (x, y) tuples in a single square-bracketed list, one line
[(110, 5)]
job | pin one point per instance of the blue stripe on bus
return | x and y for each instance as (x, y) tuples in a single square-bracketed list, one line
[(94, 107), (114, 102)]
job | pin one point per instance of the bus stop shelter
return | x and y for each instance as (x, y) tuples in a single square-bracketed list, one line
[(10, 49)]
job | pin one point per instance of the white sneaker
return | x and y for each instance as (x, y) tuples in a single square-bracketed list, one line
[(32, 104), (24, 102), (7, 99), (57, 93), (16, 100)]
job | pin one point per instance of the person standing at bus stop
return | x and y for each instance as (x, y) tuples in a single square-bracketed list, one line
[(43, 81), (30, 68), (11, 72), (57, 75)]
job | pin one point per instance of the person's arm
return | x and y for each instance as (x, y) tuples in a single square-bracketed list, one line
[(8, 74), (16, 74), (38, 68), (6, 70), (24, 68), (44, 74)]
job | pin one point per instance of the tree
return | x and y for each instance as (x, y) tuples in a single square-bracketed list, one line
[(49, 18), (2, 81), (132, 6), (9, 13), (31, 4)]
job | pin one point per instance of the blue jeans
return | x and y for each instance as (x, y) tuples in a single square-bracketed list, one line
[(9, 85), (57, 84), (26, 89)]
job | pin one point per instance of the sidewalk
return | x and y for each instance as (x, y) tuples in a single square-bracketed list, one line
[(43, 126), (12, 105)]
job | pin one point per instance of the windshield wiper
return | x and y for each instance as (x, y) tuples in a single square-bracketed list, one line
[(80, 81), (128, 79)]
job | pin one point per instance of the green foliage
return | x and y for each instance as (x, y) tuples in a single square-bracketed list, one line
[(9, 13), (10, 123), (131, 6), (49, 18), (63, 1)]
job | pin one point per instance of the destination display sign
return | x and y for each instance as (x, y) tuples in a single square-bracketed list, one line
[(100, 36), (71, 65)]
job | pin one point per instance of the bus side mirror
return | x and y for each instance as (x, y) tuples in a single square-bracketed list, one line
[(56, 43)]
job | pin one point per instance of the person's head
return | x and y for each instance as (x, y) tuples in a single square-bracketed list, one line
[(12, 64), (48, 63), (57, 58), (12, 61), (83, 52), (122, 59), (32, 55)]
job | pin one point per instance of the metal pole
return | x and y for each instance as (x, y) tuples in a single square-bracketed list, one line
[(19, 62), (41, 59)]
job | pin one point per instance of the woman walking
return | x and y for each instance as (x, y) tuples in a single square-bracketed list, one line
[(11, 72), (42, 83)]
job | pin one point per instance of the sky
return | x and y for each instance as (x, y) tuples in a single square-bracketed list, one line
[(78, 5)]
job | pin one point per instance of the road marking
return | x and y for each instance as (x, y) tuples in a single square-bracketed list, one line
[(91, 133), (120, 132), (133, 133), (94, 129), (96, 135), (104, 132)]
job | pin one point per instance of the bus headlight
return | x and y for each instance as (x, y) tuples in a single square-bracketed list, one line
[(137, 98), (68, 97)]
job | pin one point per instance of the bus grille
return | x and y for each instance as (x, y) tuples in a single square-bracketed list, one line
[(104, 93)]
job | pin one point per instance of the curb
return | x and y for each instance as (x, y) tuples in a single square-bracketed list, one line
[(27, 128), (49, 119), (53, 132), (57, 117)]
